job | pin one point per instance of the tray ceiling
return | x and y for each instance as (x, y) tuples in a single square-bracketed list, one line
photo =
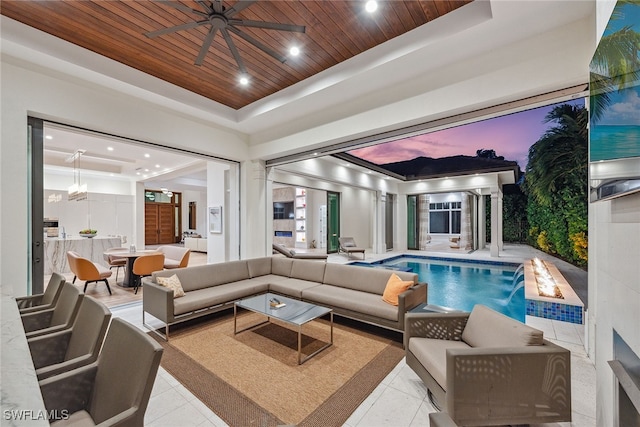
[(335, 31)]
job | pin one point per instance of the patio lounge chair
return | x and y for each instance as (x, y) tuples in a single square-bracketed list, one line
[(293, 254), (348, 246)]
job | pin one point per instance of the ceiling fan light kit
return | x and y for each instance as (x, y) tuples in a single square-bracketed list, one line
[(220, 18)]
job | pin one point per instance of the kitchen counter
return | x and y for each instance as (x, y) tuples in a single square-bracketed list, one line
[(55, 251), (22, 403)]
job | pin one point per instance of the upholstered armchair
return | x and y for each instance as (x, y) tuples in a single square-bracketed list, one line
[(110, 391), (484, 368), (45, 300), (175, 256), (62, 351)]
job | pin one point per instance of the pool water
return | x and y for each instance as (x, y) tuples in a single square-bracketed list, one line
[(461, 284)]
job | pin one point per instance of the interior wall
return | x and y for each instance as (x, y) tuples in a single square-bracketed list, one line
[(200, 197), (614, 289), (357, 205), (30, 91)]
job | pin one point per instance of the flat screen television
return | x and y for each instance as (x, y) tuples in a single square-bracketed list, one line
[(614, 120), (283, 210)]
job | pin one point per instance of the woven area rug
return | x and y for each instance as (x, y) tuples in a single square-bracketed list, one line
[(253, 378)]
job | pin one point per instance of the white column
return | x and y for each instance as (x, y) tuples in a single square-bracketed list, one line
[(216, 242), (495, 213), (232, 221), (379, 242), (482, 223), (500, 215), (401, 223), (253, 215), (138, 213)]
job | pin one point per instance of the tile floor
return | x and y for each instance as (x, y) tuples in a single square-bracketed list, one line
[(400, 399)]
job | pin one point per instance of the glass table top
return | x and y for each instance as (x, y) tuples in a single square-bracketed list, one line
[(294, 311)]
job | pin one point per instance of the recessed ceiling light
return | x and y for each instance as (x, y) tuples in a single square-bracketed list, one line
[(244, 80), (294, 51), (137, 173), (49, 137), (147, 155), (371, 6), (109, 148), (146, 170), (315, 154), (157, 166)]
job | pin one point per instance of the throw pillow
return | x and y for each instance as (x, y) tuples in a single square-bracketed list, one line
[(172, 283), (395, 286)]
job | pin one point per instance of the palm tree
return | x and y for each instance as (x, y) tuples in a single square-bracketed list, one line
[(560, 155), (616, 63)]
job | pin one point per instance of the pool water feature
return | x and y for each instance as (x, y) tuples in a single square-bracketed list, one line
[(461, 284)]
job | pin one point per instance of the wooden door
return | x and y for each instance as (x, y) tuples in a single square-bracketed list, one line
[(151, 224), (165, 224), (158, 224)]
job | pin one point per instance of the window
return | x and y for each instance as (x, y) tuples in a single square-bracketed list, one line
[(445, 217)]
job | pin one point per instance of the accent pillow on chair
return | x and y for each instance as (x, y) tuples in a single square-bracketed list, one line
[(395, 286), (172, 283)]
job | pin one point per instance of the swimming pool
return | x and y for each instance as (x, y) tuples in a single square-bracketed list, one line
[(461, 284)]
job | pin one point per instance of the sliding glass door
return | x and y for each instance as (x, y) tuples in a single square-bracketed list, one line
[(333, 221), (412, 222)]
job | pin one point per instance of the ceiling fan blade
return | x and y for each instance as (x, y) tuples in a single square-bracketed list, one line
[(206, 44), (205, 6), (256, 43), (180, 6), (217, 6), (234, 50), (238, 7), (268, 25), (180, 27)]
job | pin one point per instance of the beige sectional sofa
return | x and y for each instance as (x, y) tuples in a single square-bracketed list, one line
[(351, 291), (484, 368)]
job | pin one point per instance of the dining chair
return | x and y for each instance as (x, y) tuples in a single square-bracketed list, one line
[(45, 300), (114, 260), (55, 319), (145, 265), (87, 270), (65, 350), (115, 389)]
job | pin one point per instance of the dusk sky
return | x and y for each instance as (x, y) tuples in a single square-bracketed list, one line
[(510, 136)]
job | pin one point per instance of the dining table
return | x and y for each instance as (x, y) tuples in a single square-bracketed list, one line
[(129, 280)]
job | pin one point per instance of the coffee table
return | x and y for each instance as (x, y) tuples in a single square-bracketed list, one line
[(294, 312)]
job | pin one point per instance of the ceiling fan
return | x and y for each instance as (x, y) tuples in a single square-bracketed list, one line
[(221, 18)]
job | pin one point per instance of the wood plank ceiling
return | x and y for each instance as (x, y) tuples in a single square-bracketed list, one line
[(335, 31)]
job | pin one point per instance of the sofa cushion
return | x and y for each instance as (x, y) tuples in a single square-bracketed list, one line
[(366, 279), (395, 286), (191, 278), (172, 283), (488, 328), (432, 354), (312, 271), (349, 299), (215, 295), (281, 266), (259, 266), (291, 287)]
